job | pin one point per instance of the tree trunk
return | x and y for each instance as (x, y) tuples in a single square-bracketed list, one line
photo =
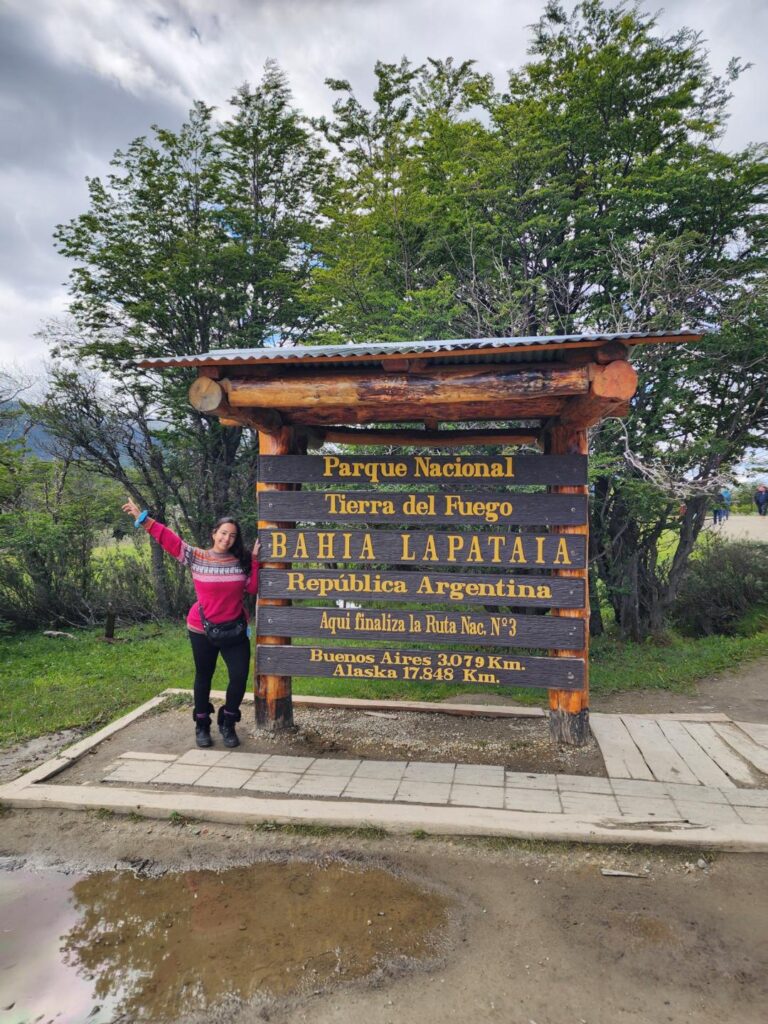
[(596, 625), (160, 581)]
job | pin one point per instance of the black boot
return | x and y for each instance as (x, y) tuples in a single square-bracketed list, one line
[(203, 727), (226, 720)]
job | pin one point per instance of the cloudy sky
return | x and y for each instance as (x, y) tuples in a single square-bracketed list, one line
[(79, 78)]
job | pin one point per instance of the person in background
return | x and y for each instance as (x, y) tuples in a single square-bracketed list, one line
[(761, 499), (727, 497), (222, 575)]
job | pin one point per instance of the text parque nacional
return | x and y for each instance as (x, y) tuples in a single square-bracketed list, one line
[(422, 466)]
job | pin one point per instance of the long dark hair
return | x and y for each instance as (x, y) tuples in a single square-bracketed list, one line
[(238, 548)]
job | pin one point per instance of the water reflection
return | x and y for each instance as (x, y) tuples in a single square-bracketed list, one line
[(153, 948)]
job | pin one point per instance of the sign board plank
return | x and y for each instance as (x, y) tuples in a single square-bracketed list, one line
[(498, 630), (478, 508), (459, 588), (562, 470), (502, 550), (417, 666)]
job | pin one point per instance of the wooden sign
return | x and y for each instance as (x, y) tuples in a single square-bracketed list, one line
[(515, 550), (424, 627), (417, 666), (477, 508), (466, 470), (459, 588)]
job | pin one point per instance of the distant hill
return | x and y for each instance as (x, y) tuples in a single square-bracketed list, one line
[(14, 426)]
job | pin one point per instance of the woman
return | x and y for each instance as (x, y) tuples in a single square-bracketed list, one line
[(222, 575)]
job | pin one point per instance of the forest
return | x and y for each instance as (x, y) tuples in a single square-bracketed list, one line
[(589, 192)]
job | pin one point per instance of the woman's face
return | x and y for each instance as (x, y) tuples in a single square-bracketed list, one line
[(224, 537)]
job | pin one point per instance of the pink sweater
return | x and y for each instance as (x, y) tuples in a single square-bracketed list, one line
[(220, 583)]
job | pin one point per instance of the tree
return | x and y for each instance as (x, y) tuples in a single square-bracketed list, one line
[(593, 195), (200, 239)]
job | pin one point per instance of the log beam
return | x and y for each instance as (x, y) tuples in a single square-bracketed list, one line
[(272, 694), (208, 397), (582, 413), (398, 412), (426, 438), (423, 391), (569, 709), (613, 384), (616, 379)]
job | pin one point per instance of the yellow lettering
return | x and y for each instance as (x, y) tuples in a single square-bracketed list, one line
[(562, 557), (300, 551), (474, 554), (366, 550), (539, 551), (279, 544), (455, 544), (518, 552), (495, 543), (325, 545)]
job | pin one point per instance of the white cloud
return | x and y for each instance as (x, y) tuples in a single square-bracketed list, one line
[(83, 78)]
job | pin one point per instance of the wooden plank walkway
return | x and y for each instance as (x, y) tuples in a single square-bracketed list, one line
[(707, 772), (744, 745), (715, 752), (759, 733), (622, 758), (661, 757)]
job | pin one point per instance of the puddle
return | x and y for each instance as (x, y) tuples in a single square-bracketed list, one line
[(111, 945)]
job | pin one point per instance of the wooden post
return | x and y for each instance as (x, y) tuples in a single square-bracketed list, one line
[(109, 627), (569, 709), (274, 705)]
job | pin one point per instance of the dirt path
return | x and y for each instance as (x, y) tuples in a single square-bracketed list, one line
[(741, 694), (537, 933)]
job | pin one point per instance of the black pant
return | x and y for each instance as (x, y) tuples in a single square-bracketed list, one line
[(236, 658)]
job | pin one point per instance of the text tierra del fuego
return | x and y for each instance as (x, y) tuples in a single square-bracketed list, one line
[(507, 552)]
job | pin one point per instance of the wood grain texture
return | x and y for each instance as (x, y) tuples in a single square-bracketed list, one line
[(272, 692), (622, 758), (427, 438), (481, 508), (425, 387), (406, 548), (721, 753), (569, 712), (451, 470), (383, 410), (661, 757), (417, 666), (475, 628), (523, 591)]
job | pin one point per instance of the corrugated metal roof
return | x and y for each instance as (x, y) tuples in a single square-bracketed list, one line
[(321, 353)]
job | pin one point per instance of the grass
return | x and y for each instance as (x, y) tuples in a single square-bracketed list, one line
[(675, 665), (57, 684), (315, 831)]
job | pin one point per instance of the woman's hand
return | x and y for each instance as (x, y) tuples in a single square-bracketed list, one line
[(132, 509), (256, 548)]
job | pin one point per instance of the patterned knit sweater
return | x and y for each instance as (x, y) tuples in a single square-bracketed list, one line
[(219, 580)]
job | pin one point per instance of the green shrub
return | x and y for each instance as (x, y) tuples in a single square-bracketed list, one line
[(725, 590)]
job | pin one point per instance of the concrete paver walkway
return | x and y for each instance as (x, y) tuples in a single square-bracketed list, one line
[(460, 785), (671, 802)]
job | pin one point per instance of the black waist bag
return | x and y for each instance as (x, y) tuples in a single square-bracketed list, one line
[(224, 634)]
